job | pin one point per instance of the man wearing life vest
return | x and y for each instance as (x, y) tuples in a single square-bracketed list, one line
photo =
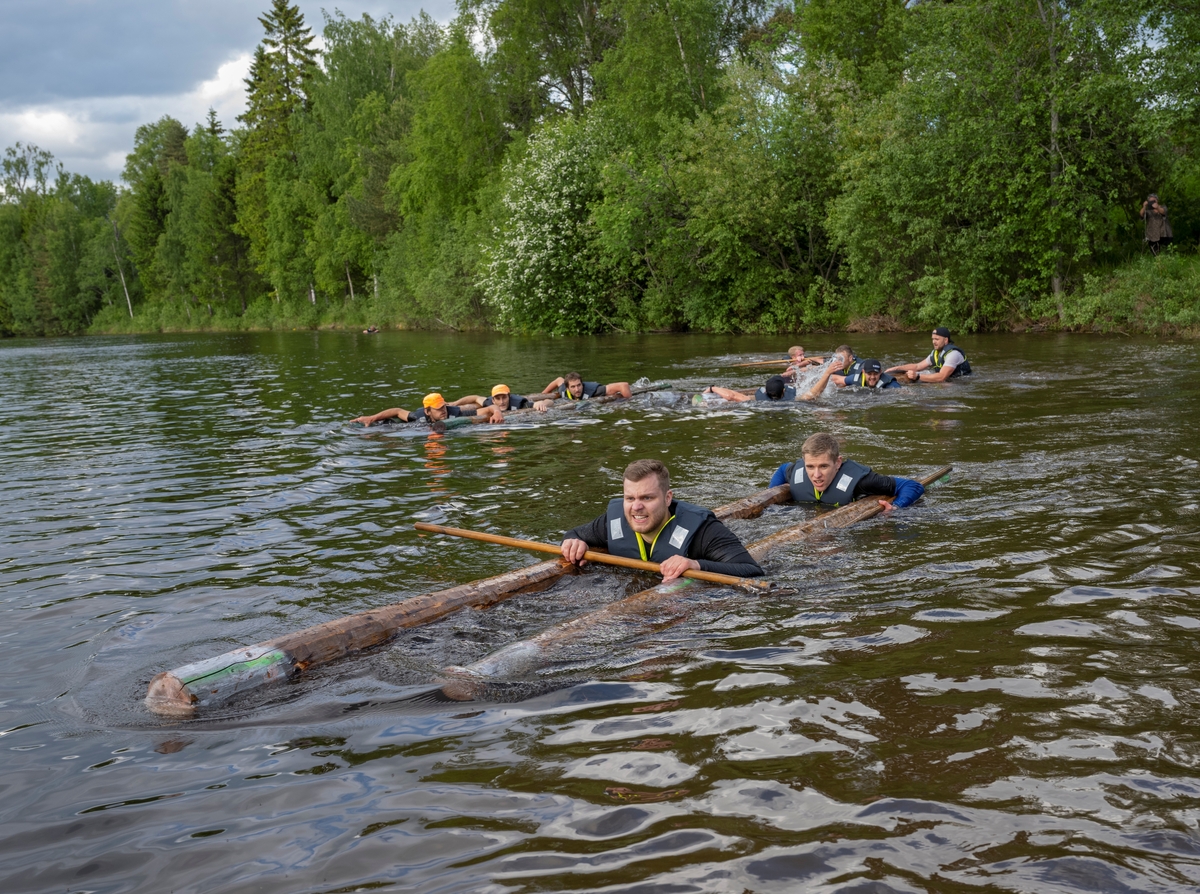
[(648, 523), (867, 374), (573, 387), (822, 475), (775, 388), (946, 361), (434, 409)]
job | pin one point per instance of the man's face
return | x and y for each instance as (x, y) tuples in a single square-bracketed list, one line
[(796, 353), (939, 341), (872, 380), (500, 400), (821, 469), (574, 388), (436, 414), (646, 504)]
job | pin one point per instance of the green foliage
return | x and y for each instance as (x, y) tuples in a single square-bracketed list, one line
[(994, 173), (563, 166), (544, 271), (1157, 294)]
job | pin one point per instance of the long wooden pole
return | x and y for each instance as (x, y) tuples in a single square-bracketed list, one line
[(784, 362), (592, 556), (213, 681), (465, 683)]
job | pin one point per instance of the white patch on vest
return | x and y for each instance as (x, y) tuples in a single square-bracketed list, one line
[(678, 536), (844, 482), (615, 531)]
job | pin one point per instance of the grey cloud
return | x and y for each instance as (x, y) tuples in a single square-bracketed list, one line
[(72, 49)]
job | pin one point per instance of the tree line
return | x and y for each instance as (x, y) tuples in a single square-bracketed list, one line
[(577, 166)]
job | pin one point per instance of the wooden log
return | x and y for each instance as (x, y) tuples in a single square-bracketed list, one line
[(602, 558), (180, 692), (464, 683)]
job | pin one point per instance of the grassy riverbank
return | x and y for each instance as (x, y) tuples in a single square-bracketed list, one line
[(1149, 295)]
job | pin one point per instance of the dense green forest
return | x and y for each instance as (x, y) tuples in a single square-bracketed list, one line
[(575, 166)]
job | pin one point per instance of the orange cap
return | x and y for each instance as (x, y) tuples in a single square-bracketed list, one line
[(433, 401), (500, 389)]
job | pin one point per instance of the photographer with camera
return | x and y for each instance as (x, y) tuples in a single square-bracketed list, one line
[(1158, 228)]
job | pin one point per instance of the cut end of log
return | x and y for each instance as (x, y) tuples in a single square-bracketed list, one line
[(460, 684), (169, 696)]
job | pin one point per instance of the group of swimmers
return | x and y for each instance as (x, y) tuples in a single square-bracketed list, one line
[(844, 369), (945, 361), (476, 408)]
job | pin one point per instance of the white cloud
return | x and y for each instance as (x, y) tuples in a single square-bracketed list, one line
[(92, 136)]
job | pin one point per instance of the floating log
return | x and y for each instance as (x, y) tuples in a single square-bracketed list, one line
[(602, 558), (464, 683), (180, 692)]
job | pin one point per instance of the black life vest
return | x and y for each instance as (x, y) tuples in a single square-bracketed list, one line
[(839, 493), (789, 393), (672, 540), (515, 402), (589, 389), (860, 380), (422, 416), (938, 359)]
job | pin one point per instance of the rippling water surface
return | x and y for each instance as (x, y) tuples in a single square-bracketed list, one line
[(995, 690)]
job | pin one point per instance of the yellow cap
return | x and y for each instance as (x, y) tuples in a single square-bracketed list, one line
[(500, 389), (433, 401)]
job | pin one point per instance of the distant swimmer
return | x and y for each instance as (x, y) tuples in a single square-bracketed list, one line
[(945, 362), (502, 398), (869, 375), (798, 362), (774, 389), (370, 330), (822, 475), (648, 523), (573, 387), (435, 409)]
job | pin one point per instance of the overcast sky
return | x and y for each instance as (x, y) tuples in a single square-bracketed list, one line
[(77, 77)]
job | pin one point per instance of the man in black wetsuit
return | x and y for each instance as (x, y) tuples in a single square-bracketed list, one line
[(434, 409), (503, 398), (573, 387), (823, 475), (648, 523)]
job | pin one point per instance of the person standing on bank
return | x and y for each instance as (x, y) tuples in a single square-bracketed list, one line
[(946, 361), (823, 475), (648, 523), (1158, 228)]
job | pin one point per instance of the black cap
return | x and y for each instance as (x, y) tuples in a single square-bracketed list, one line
[(942, 331), (872, 366), (774, 387)]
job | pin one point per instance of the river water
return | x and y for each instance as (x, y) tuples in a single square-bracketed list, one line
[(993, 690)]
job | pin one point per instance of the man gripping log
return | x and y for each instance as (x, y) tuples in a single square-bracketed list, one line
[(648, 523)]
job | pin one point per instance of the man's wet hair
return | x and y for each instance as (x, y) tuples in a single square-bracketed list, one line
[(846, 351), (572, 377), (774, 387), (641, 469), (821, 444)]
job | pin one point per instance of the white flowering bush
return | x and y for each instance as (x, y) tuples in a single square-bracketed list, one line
[(541, 271)]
